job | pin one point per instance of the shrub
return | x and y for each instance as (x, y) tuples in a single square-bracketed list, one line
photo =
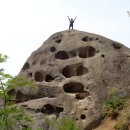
[(114, 104), (65, 123), (122, 125), (123, 120)]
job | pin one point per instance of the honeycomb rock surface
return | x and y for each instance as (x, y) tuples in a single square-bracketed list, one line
[(74, 71)]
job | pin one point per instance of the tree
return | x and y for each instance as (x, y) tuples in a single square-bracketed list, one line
[(10, 114)]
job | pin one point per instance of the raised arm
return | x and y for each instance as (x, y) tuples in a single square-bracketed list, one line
[(68, 18), (75, 18)]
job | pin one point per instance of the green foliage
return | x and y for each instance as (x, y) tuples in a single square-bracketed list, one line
[(10, 114), (3, 58), (39, 129), (123, 121), (26, 129), (122, 124), (15, 116), (65, 123), (19, 81), (114, 104)]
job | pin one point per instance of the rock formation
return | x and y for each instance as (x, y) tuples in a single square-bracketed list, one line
[(74, 71)]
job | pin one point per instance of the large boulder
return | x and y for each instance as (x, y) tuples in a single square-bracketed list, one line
[(74, 71)]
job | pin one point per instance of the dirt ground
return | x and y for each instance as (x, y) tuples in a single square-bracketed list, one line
[(107, 124)]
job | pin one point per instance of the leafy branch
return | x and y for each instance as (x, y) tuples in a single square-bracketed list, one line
[(10, 114)]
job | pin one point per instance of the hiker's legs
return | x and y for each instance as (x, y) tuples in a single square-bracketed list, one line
[(69, 27), (72, 26)]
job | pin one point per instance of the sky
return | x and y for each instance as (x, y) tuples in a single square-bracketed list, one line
[(26, 24)]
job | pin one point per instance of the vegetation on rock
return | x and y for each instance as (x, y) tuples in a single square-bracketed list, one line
[(117, 107), (123, 120), (10, 114), (65, 123), (114, 104)]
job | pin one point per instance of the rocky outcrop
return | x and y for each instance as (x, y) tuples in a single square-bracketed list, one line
[(74, 71)]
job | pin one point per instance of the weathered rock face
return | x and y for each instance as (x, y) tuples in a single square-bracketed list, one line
[(74, 71)]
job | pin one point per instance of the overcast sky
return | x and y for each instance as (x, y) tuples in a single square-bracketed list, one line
[(26, 24)]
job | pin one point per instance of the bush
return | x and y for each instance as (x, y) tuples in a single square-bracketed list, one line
[(114, 104), (123, 120), (65, 123), (122, 125)]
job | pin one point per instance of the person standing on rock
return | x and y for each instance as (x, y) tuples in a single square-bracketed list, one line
[(71, 22)]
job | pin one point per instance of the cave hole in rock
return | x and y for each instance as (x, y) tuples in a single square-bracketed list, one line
[(73, 87), (72, 54), (85, 109), (63, 55), (97, 51), (38, 76), (102, 55), (100, 41), (82, 95), (116, 46), (52, 49), (74, 70), (87, 39), (20, 97), (86, 52), (50, 109), (26, 66), (11, 92), (29, 75), (49, 78), (77, 119), (58, 40), (83, 117), (97, 39), (86, 88)]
